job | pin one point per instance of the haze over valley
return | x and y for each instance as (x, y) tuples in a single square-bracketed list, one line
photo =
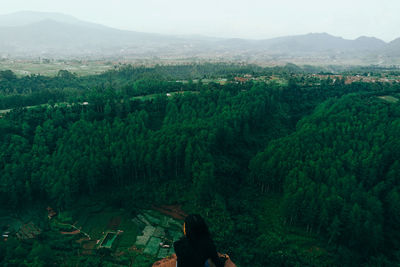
[(29, 35)]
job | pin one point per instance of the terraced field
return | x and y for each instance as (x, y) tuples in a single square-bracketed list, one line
[(130, 237), (141, 232), (157, 228)]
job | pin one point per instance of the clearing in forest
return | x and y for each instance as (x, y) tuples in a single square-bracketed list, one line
[(157, 228), (151, 232)]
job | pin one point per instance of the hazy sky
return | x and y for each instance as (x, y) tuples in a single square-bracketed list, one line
[(258, 19)]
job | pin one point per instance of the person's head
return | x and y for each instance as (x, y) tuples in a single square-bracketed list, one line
[(200, 243), (195, 227)]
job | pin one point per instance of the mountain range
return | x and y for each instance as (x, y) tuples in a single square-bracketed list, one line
[(30, 34)]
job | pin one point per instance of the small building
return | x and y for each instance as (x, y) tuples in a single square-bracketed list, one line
[(5, 235), (241, 79)]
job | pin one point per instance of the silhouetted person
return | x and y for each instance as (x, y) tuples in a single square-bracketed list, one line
[(196, 248)]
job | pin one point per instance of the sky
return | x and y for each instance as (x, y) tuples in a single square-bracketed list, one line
[(253, 19)]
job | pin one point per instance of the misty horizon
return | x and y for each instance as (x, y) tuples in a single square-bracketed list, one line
[(24, 12), (29, 34), (184, 34), (256, 20)]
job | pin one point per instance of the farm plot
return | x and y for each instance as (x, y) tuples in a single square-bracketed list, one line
[(157, 228), (150, 233)]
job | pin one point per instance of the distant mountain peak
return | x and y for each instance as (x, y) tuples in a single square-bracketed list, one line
[(30, 33), (25, 18), (319, 34), (368, 38)]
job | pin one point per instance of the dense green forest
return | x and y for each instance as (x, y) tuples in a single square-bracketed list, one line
[(297, 174)]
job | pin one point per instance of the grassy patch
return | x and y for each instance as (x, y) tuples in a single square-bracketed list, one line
[(23, 67), (153, 96), (128, 237), (153, 246), (388, 98)]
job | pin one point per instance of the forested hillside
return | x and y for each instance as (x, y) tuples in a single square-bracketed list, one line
[(303, 173), (338, 174)]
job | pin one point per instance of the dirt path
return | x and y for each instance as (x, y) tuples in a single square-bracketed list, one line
[(173, 211), (76, 229), (71, 233)]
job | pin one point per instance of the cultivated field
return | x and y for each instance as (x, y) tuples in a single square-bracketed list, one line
[(51, 68), (138, 234)]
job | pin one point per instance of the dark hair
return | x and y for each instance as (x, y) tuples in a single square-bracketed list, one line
[(196, 228), (199, 241)]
